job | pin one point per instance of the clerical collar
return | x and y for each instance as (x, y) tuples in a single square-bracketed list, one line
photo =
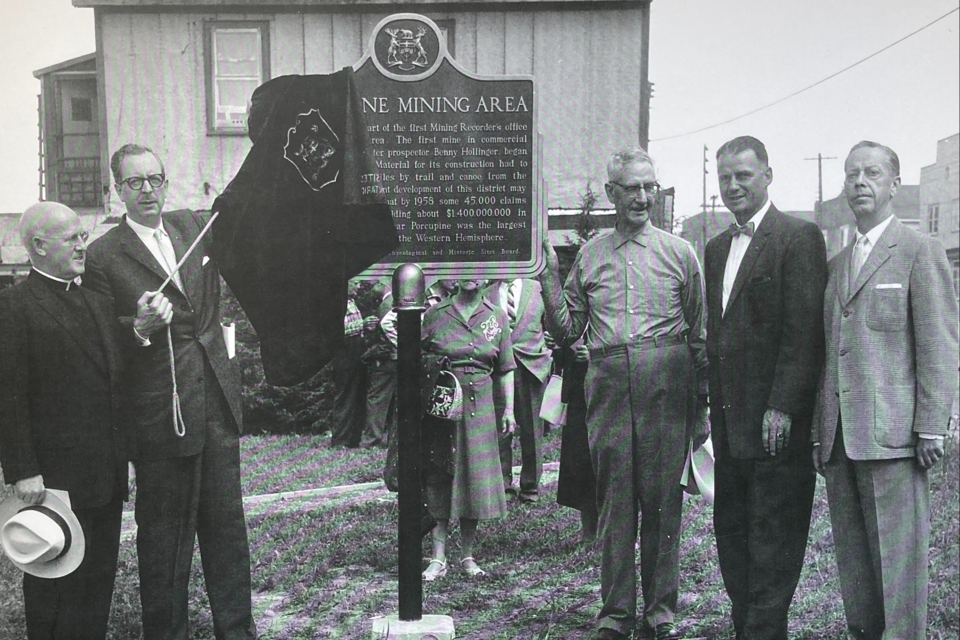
[(67, 283)]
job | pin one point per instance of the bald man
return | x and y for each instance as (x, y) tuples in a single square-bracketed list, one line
[(59, 423)]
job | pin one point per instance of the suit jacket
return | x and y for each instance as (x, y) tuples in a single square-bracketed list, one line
[(120, 266), (60, 394), (526, 332), (891, 363), (767, 349)]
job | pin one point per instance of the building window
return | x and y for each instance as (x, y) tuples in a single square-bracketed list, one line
[(81, 109), (933, 219), (237, 58)]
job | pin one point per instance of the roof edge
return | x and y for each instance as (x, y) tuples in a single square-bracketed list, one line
[(63, 65)]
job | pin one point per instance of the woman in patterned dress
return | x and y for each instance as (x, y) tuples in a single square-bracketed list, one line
[(475, 335)]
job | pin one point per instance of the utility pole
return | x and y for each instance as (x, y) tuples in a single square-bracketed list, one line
[(703, 215), (713, 204), (818, 214)]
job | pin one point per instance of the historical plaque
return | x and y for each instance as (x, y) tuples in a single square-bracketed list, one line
[(457, 155)]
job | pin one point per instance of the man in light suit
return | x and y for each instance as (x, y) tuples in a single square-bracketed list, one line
[(60, 422), (765, 280), (884, 404), (187, 462), (523, 302)]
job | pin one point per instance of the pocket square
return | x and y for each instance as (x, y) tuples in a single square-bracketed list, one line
[(892, 285), (205, 260)]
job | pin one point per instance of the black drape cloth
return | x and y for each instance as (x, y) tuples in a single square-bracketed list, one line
[(302, 216)]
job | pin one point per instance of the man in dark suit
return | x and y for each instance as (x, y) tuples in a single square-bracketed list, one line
[(522, 301), (884, 404), (187, 462), (765, 279), (60, 426)]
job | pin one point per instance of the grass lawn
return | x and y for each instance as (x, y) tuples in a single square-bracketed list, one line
[(322, 566)]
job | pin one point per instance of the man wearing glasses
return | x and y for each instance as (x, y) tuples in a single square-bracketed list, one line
[(184, 404), (765, 280), (60, 429), (641, 292)]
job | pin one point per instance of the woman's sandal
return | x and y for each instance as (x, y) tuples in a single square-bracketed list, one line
[(470, 566), (430, 576)]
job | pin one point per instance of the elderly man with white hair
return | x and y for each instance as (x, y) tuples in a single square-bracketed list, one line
[(639, 293), (60, 427)]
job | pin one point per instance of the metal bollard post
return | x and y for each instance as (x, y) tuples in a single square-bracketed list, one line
[(409, 297)]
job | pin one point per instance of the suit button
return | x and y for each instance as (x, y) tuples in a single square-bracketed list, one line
[(836, 393), (723, 357), (200, 380), (843, 352), (846, 314)]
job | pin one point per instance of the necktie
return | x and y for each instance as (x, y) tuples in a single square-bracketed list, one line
[(745, 229), (513, 298), (857, 258), (169, 257)]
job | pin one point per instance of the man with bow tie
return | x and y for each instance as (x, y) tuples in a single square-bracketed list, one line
[(765, 280), (184, 405)]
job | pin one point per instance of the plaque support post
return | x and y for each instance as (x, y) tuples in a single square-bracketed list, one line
[(410, 624), (408, 296)]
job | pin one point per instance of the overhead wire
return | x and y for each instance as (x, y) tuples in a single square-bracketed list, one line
[(811, 86)]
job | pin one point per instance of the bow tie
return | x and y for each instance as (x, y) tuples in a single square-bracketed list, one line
[(745, 229)]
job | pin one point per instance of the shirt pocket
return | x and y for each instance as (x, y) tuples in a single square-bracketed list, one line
[(886, 309), (661, 297)]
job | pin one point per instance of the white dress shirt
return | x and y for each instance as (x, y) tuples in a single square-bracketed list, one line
[(147, 237), (738, 248), (872, 236)]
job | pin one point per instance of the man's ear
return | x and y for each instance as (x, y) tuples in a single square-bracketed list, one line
[(895, 186), (117, 188), (609, 189), (38, 246), (769, 175)]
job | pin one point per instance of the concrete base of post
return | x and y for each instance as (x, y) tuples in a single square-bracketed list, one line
[(391, 627)]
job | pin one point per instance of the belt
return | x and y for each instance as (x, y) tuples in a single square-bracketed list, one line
[(643, 345)]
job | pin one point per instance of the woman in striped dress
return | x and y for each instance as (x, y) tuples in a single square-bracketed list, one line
[(475, 335)]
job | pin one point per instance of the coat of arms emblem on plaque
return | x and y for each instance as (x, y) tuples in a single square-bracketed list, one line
[(312, 147)]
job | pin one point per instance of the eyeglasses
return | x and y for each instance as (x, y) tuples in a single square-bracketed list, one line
[(75, 239), (156, 181), (634, 190)]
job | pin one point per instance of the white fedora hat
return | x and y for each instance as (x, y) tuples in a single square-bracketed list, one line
[(698, 472), (44, 540)]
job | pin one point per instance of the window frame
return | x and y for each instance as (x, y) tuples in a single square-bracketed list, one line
[(210, 89), (933, 219)]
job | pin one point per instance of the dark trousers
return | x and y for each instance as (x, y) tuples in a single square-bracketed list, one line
[(77, 606), (197, 497), (349, 400), (761, 519), (527, 398), (381, 403)]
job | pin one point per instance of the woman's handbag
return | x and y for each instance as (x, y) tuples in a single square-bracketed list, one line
[(553, 409), (446, 401)]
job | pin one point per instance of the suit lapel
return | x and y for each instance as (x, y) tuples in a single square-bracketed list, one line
[(189, 273), (49, 303), (842, 275), (878, 255), (523, 301), (754, 250), (134, 247)]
